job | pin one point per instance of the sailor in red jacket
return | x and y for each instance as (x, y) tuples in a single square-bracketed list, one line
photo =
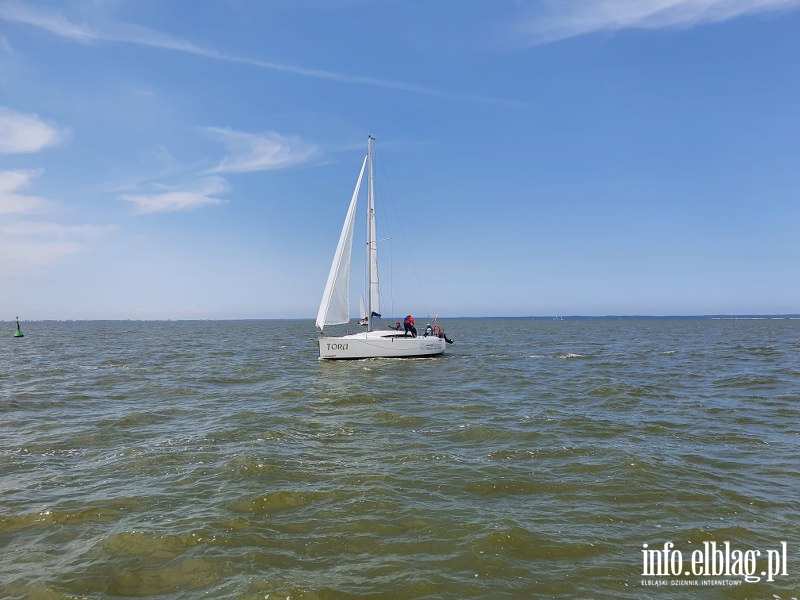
[(408, 325)]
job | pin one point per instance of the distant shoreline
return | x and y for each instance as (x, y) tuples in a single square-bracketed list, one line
[(506, 318)]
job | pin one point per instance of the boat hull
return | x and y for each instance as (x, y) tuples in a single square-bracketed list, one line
[(379, 344)]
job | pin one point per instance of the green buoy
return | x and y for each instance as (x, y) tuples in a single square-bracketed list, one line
[(18, 333)]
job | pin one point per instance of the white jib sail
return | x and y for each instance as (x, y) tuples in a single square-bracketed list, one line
[(335, 306)]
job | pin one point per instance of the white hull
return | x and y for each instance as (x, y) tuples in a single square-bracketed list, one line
[(379, 344)]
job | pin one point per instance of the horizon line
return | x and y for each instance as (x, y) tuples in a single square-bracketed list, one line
[(574, 317)]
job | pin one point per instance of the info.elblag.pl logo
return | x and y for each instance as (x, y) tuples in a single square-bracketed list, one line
[(714, 560)]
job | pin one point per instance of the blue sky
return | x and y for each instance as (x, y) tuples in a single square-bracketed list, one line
[(195, 159)]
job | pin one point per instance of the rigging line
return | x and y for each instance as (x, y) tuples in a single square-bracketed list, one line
[(387, 305), (387, 223), (385, 177)]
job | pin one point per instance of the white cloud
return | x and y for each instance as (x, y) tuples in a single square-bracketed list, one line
[(55, 230), (24, 133), (16, 12), (21, 257), (123, 33), (126, 33), (26, 247), (563, 19), (12, 202), (174, 200), (264, 152)]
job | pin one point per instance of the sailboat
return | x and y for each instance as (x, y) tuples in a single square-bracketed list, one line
[(362, 312), (335, 306)]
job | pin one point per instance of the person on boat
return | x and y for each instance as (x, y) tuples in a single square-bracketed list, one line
[(428, 330), (408, 325), (398, 326), (439, 332)]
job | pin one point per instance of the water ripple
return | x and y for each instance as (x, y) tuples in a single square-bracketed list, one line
[(534, 462)]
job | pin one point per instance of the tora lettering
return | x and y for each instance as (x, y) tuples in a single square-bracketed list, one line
[(337, 347)]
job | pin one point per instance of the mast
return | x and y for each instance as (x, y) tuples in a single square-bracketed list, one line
[(371, 242)]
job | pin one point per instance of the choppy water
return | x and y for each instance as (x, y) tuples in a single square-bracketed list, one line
[(534, 460)]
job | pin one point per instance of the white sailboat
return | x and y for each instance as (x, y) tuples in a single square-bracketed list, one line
[(335, 306), (362, 311)]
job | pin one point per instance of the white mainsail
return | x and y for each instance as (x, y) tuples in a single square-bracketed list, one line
[(335, 306), (372, 250)]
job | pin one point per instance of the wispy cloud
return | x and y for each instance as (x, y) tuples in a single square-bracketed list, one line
[(247, 152), (16, 12), (124, 33), (562, 19), (11, 200), (179, 199), (27, 246), (22, 133), (260, 152), (58, 230), (21, 257)]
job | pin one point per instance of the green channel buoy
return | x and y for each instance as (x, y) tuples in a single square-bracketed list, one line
[(18, 333)]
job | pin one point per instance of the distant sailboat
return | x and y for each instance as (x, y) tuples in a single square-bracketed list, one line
[(18, 332), (335, 306), (362, 312)]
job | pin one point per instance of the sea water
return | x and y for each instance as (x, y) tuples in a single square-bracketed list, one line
[(535, 459)]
